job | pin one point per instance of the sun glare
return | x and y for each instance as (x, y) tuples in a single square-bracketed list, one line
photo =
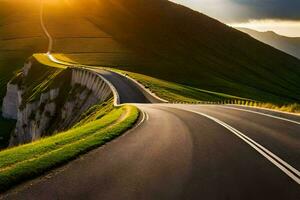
[(286, 28)]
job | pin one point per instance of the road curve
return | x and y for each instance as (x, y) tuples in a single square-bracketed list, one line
[(129, 92), (44, 28), (182, 152)]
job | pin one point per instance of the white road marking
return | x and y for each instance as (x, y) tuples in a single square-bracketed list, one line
[(264, 114), (142, 121), (278, 162), (147, 116), (285, 167)]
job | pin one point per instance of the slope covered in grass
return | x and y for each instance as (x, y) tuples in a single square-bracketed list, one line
[(289, 45), (20, 36), (28, 161), (177, 44), (162, 40)]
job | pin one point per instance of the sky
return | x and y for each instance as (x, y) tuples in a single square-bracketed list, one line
[(280, 16)]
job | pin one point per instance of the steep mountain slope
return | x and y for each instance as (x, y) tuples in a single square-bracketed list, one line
[(164, 40), (20, 36), (289, 45), (177, 44)]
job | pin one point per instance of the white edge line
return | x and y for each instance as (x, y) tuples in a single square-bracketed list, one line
[(264, 114), (141, 85), (265, 150), (282, 165), (142, 121), (266, 109), (53, 59), (114, 90)]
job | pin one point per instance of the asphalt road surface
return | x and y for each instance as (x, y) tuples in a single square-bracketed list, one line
[(128, 91), (183, 152)]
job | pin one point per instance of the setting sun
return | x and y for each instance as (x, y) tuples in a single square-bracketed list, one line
[(149, 99)]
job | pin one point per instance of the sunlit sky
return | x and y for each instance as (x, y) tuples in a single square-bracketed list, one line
[(280, 16)]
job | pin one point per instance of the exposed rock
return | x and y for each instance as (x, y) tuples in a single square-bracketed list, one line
[(53, 110), (26, 68), (11, 102)]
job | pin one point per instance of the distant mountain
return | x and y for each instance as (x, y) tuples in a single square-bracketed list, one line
[(175, 43), (289, 45)]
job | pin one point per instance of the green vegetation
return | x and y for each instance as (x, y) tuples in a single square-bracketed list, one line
[(176, 92), (179, 45), (43, 59), (20, 37), (185, 94), (145, 39), (166, 90), (290, 108), (98, 125), (41, 79), (28, 161), (95, 112), (290, 45)]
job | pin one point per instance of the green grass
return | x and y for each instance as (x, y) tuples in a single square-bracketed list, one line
[(43, 59), (173, 92), (179, 45), (41, 79), (169, 91), (28, 161), (95, 112), (289, 108), (20, 37), (158, 39)]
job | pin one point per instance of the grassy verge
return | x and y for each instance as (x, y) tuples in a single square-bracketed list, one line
[(170, 91), (28, 161), (177, 93), (184, 94), (289, 108), (44, 60), (174, 92)]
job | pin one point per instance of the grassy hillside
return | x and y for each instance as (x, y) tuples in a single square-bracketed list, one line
[(290, 45), (162, 40), (20, 36), (24, 162), (177, 44)]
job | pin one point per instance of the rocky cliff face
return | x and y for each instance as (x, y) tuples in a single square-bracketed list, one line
[(54, 108), (12, 101)]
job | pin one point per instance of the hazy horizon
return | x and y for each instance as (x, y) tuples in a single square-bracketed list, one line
[(282, 17)]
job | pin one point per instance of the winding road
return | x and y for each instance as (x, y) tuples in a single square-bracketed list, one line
[(182, 152)]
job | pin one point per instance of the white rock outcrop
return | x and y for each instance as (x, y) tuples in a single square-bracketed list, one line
[(11, 101), (52, 111)]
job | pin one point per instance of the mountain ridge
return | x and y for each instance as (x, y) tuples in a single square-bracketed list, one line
[(290, 45), (183, 43), (167, 41)]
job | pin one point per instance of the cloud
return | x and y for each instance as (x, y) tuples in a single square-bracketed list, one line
[(268, 9), (232, 11)]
